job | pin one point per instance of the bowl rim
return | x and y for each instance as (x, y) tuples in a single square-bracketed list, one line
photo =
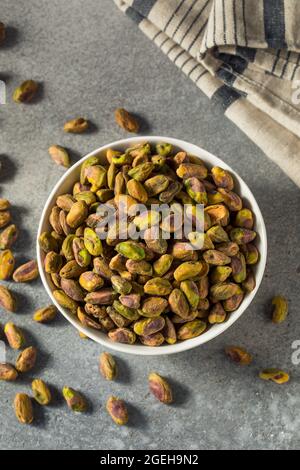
[(213, 332)]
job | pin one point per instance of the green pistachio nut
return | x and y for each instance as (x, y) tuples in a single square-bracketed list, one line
[(96, 176), (117, 410), (280, 311), (8, 237), (77, 215), (129, 313), (216, 258), (91, 281), (14, 336), (146, 219), (149, 326), (191, 329), (120, 285), (137, 191), (67, 247), (190, 270), (275, 375), (153, 307), (102, 268), (131, 250), (217, 234), (162, 265), (251, 253), (131, 301), (170, 193), (178, 303), (75, 400), (233, 303), (222, 178), (45, 314), (155, 340), (65, 202), (65, 301), (139, 267), (87, 196), (156, 185), (238, 265), (101, 297), (7, 264), (92, 242), (239, 355), (53, 262), (27, 272), (249, 283), (164, 149), (231, 199), (244, 219), (73, 289), (220, 274), (229, 248), (158, 286), (190, 170), (196, 190), (160, 388), (217, 314), (122, 335), (224, 290), (169, 332), (7, 301), (218, 213), (141, 172), (190, 290), (71, 270), (242, 236), (41, 392), (108, 366)]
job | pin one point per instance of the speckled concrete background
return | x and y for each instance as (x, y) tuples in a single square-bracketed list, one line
[(90, 60)]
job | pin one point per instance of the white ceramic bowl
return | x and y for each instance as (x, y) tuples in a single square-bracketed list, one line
[(65, 185)]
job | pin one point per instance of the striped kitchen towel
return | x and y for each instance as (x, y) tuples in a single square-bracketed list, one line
[(244, 55)]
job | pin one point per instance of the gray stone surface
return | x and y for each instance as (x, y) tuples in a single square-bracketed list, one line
[(91, 59)]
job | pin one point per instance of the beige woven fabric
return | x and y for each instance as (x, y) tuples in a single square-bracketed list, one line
[(244, 55)]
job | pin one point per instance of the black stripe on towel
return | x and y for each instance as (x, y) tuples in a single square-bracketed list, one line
[(247, 53), (143, 6), (134, 15), (225, 97), (232, 66), (274, 20)]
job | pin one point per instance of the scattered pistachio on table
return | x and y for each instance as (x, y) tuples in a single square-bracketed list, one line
[(59, 155), (239, 355), (8, 372), (41, 392), (25, 92), (275, 375), (76, 126), (108, 366), (45, 314), (126, 120), (160, 388), (23, 408), (280, 310), (26, 359), (117, 410), (7, 300), (75, 400), (14, 335)]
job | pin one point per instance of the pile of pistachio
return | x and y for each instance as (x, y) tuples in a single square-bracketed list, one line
[(155, 290)]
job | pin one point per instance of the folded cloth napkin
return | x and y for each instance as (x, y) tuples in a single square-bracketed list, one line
[(244, 55)]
